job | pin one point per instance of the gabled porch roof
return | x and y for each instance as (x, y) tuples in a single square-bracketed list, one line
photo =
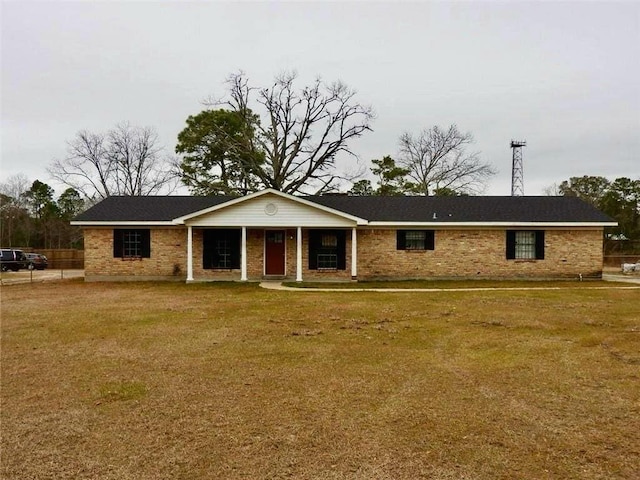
[(270, 208)]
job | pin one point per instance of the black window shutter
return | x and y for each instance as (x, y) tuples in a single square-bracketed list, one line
[(314, 240), (540, 244), (145, 239), (341, 249), (216, 236), (401, 240), (208, 237), (511, 244), (117, 243), (430, 241), (234, 237)]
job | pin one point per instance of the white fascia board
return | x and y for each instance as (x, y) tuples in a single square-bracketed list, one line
[(493, 224), (121, 224), (182, 220)]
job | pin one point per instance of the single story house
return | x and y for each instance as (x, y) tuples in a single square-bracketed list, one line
[(270, 234)]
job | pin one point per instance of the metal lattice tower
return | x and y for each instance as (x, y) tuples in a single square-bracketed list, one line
[(517, 177)]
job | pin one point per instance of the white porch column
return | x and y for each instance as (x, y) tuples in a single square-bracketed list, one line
[(299, 256), (243, 256), (354, 254), (189, 253)]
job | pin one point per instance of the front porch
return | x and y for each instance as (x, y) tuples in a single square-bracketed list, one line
[(251, 253)]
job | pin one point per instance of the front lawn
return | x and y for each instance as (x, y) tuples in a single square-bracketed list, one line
[(457, 284), (157, 380)]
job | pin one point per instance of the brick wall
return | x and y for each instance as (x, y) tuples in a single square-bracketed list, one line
[(168, 256), (478, 254), (458, 253)]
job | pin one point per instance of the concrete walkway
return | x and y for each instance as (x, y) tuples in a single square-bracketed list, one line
[(274, 285), (619, 277), (38, 276)]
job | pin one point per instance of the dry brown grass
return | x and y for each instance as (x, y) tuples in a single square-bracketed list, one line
[(149, 381), (517, 284)]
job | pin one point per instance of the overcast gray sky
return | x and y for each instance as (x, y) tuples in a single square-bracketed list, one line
[(563, 76)]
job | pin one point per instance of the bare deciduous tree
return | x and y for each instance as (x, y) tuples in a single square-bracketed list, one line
[(301, 132), (438, 159), (125, 161), (552, 190), (15, 228), (15, 187)]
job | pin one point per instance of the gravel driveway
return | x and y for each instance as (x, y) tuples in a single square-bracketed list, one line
[(27, 276)]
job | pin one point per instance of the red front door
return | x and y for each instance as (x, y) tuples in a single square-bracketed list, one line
[(274, 252)]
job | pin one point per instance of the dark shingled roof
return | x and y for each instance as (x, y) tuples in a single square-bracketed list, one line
[(465, 209), (387, 209), (147, 209)]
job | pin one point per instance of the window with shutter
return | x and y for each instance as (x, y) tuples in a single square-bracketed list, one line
[(525, 244), (415, 240), (221, 249), (132, 243), (327, 250)]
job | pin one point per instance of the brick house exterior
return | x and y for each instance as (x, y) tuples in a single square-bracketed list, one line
[(269, 234)]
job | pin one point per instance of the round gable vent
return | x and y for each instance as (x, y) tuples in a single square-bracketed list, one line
[(270, 209)]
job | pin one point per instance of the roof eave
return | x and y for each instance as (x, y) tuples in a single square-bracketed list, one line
[(493, 224), (116, 223), (362, 222)]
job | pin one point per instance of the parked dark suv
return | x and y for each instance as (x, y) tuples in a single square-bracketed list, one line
[(13, 260), (36, 261)]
